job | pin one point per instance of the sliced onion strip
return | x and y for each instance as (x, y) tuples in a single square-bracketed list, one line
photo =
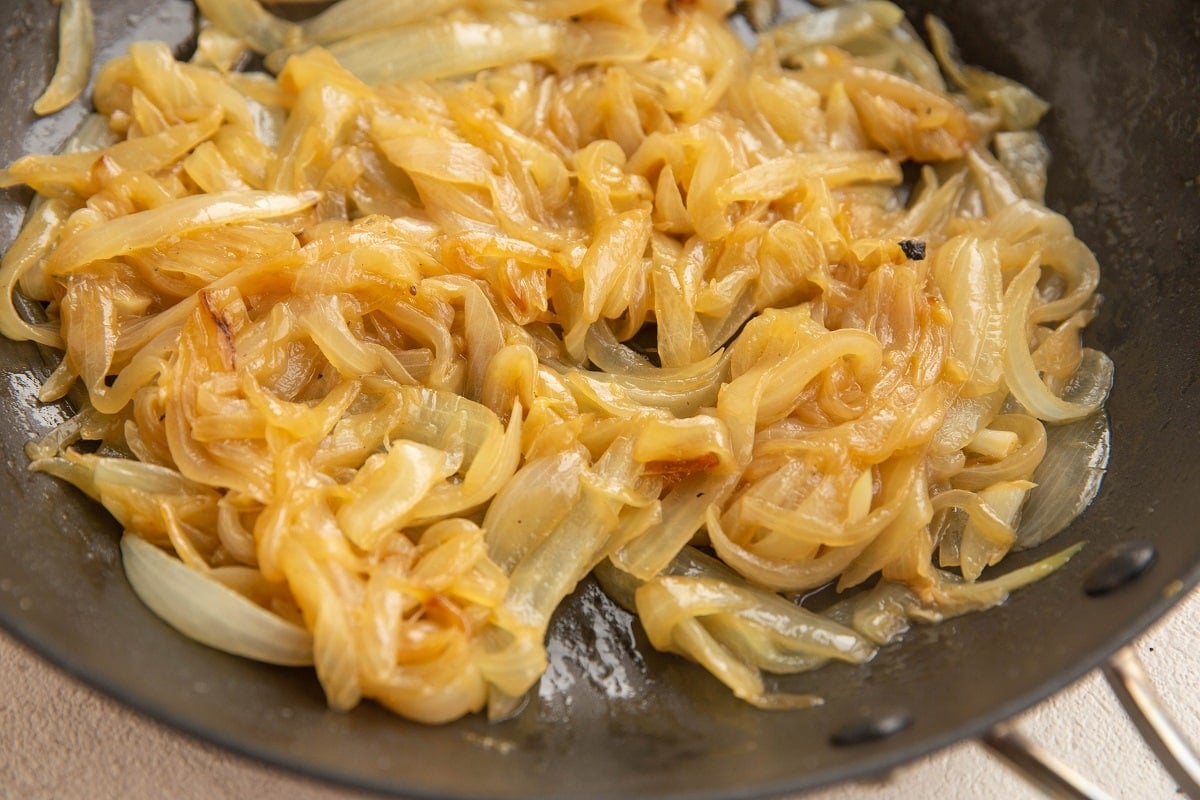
[(1020, 371), (76, 42), (206, 610)]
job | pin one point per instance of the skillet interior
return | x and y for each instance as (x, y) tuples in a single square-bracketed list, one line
[(613, 719)]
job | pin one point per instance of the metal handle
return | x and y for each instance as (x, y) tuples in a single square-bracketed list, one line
[(1132, 687), (1040, 767)]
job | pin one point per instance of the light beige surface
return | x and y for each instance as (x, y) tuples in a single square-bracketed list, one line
[(61, 741)]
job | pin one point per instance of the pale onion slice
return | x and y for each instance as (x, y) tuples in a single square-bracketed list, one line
[(681, 390), (352, 17), (952, 599), (963, 420), (219, 49), (880, 614), (683, 512), (755, 630), (1018, 106), (248, 20), (833, 26), (1093, 380), (144, 229), (72, 171), (531, 505), (883, 614), (1020, 463), (967, 271), (76, 42), (1067, 479), (979, 547), (43, 226), (387, 488), (778, 574), (445, 48), (210, 612), (1027, 158)]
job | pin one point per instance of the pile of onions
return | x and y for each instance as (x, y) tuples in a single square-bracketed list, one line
[(385, 352)]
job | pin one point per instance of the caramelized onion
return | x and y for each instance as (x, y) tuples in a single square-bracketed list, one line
[(384, 355)]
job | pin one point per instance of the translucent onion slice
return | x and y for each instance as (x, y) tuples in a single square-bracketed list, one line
[(1093, 380), (515, 525), (387, 489), (952, 599), (352, 17), (780, 176), (980, 547), (1067, 479), (73, 170), (1020, 463), (683, 513), (967, 271), (1027, 158), (834, 26), (963, 420), (680, 390), (445, 49), (754, 630), (778, 574), (189, 214), (552, 567), (210, 612), (76, 42), (883, 614), (42, 228), (880, 614), (1019, 107), (249, 21)]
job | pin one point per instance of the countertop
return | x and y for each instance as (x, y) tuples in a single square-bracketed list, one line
[(59, 739)]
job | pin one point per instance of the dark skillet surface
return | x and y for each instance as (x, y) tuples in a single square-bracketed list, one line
[(612, 718)]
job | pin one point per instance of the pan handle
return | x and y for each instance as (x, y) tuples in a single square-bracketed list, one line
[(1039, 766), (1133, 689), (1132, 686)]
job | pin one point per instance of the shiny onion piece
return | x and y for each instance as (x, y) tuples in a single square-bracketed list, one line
[(208, 611), (76, 43), (376, 358)]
